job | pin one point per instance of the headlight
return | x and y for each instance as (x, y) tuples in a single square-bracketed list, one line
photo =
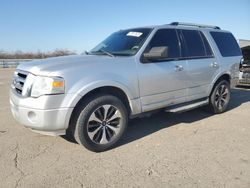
[(47, 85)]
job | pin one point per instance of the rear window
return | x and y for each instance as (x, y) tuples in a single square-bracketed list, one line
[(226, 43)]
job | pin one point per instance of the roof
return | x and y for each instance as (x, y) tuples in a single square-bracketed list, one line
[(184, 25)]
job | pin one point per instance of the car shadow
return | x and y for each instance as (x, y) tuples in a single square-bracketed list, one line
[(239, 96), (141, 127)]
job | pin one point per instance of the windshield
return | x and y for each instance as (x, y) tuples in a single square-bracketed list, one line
[(124, 42)]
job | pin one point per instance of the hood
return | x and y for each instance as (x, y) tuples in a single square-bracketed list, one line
[(56, 65)]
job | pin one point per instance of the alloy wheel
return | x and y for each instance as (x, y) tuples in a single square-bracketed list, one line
[(221, 96), (104, 124)]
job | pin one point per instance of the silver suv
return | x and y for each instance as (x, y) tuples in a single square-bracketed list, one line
[(174, 67)]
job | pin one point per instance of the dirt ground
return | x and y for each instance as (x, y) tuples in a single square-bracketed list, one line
[(192, 149)]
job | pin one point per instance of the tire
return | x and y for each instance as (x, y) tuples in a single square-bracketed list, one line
[(220, 97), (100, 122)]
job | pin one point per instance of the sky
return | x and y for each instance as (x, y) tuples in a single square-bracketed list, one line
[(79, 25)]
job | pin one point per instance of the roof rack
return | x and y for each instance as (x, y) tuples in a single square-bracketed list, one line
[(194, 25)]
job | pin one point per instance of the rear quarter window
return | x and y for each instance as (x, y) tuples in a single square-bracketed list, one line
[(226, 43)]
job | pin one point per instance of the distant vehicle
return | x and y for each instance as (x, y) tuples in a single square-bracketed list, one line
[(244, 79), (174, 67)]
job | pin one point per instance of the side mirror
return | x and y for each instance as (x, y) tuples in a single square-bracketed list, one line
[(156, 53)]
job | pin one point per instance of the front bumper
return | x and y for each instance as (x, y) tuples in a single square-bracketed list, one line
[(53, 121)]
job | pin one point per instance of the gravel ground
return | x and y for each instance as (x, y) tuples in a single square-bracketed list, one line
[(192, 149)]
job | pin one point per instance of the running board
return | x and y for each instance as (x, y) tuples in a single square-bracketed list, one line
[(186, 107)]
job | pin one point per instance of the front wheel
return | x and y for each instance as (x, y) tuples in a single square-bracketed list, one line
[(101, 123), (220, 97)]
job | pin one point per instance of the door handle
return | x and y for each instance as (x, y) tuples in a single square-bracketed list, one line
[(179, 68), (214, 64)]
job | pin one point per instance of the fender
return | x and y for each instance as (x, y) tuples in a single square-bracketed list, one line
[(134, 102), (216, 78)]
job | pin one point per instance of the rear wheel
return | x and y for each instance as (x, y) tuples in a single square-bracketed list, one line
[(220, 97), (100, 123)]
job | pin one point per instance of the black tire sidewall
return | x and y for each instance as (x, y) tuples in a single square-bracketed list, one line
[(81, 133)]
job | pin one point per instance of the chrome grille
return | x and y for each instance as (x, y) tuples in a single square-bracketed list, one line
[(18, 81)]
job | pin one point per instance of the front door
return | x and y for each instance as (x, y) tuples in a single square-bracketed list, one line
[(163, 82)]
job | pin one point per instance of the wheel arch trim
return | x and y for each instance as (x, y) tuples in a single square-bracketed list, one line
[(217, 78), (133, 101)]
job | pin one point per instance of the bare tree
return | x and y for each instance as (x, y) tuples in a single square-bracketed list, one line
[(34, 55)]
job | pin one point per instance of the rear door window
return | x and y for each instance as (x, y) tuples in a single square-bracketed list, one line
[(209, 52), (226, 43), (194, 44)]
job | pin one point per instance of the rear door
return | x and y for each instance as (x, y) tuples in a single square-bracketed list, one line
[(201, 63)]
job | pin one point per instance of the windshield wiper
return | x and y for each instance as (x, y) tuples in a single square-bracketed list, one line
[(107, 53), (103, 52)]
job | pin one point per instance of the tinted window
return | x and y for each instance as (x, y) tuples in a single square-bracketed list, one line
[(226, 43), (166, 37), (208, 49), (194, 44)]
